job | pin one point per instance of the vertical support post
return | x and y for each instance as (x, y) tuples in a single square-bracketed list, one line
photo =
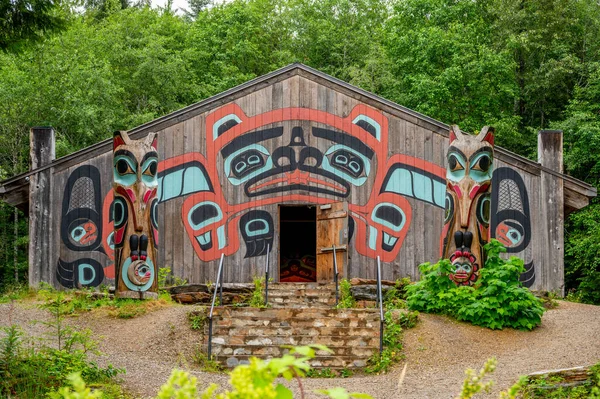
[(550, 156), (267, 276), (380, 300), (335, 276), (41, 255)]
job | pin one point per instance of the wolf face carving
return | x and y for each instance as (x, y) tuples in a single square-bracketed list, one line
[(468, 187), (135, 184)]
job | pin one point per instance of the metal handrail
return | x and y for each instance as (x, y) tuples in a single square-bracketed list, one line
[(335, 277), (380, 300), (267, 276), (218, 287)]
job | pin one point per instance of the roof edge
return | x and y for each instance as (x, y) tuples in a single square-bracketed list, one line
[(294, 68)]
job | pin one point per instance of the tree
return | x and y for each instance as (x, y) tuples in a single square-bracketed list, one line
[(24, 20)]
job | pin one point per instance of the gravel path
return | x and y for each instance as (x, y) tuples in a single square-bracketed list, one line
[(437, 351)]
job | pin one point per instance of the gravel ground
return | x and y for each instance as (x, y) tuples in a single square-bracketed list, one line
[(437, 351)]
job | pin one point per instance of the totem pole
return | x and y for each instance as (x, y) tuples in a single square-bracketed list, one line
[(135, 165), (468, 199)]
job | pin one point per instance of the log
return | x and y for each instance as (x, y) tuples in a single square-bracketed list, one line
[(368, 292), (239, 288), (366, 281), (206, 298)]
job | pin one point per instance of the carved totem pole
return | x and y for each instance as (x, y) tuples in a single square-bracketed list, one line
[(135, 165), (468, 199)]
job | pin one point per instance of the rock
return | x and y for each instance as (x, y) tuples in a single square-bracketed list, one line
[(232, 362)]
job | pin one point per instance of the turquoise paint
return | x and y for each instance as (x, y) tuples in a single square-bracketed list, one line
[(372, 238), (171, 185), (227, 164), (221, 121), (355, 181), (422, 187), (400, 183), (385, 222), (207, 221), (264, 230), (221, 237), (439, 194), (82, 267), (132, 286), (194, 181), (370, 121)]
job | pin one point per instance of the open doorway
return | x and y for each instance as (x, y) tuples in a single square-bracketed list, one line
[(298, 244)]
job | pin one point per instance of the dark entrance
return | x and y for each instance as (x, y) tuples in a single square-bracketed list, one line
[(297, 244)]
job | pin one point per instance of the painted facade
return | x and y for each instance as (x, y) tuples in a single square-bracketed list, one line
[(298, 137)]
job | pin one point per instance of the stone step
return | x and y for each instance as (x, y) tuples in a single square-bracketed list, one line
[(299, 294), (301, 286), (262, 351), (331, 341), (320, 322), (296, 331), (284, 314), (332, 362)]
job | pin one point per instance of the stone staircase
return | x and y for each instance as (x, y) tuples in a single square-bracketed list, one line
[(301, 314)]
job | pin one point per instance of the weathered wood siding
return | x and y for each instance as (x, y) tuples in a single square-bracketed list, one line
[(323, 144)]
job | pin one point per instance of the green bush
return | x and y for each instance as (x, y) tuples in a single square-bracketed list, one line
[(496, 301)]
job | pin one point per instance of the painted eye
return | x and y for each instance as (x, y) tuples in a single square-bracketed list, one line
[(454, 164), (483, 164), (240, 166), (151, 169), (348, 162), (77, 233), (246, 162), (123, 167)]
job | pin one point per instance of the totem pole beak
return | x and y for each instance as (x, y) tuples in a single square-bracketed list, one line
[(140, 208), (466, 185)]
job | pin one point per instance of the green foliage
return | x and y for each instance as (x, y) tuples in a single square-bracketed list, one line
[(206, 364), (325, 372), (166, 278), (496, 301), (474, 383), (197, 320), (257, 300), (553, 388), (346, 300), (30, 372)]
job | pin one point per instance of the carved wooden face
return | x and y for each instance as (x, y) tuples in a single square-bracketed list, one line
[(135, 166), (468, 185)]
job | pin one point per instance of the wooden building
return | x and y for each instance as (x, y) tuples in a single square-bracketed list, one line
[(286, 166)]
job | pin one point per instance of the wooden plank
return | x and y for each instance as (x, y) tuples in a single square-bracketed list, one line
[(331, 231)]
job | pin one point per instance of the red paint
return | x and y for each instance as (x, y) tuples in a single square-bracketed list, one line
[(452, 136), (457, 191), (478, 189), (149, 194), (118, 237), (90, 233), (117, 141)]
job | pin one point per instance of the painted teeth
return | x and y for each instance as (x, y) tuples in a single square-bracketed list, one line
[(204, 239), (389, 240)]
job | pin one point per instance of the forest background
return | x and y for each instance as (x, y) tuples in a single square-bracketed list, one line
[(90, 67)]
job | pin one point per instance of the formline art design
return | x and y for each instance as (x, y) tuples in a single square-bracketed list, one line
[(135, 239), (470, 161)]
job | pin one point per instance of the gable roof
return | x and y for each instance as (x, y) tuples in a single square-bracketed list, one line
[(15, 190)]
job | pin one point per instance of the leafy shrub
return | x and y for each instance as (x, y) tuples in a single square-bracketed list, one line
[(31, 373), (257, 300), (346, 300), (497, 300)]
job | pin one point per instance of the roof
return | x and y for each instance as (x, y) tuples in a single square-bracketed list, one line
[(15, 190)]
